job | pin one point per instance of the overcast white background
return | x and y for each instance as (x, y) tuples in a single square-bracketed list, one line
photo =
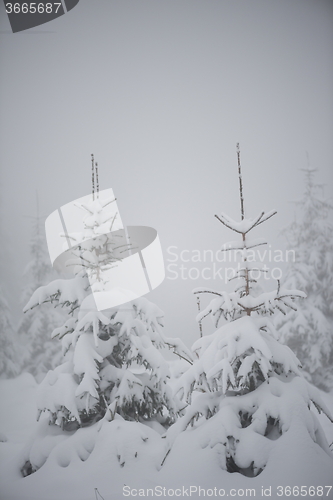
[(160, 91)]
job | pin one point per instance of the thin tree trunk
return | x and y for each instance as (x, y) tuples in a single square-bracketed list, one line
[(93, 176)]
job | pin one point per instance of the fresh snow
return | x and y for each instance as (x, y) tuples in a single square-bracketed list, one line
[(103, 456)]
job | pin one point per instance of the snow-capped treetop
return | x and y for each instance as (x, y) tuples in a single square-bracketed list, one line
[(38, 270), (310, 236), (97, 219), (244, 299)]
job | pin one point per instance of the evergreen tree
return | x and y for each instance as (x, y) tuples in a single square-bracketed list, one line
[(9, 362), (309, 332), (245, 389), (9, 350), (41, 353), (114, 365)]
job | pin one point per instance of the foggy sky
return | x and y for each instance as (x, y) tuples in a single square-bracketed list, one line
[(160, 92)]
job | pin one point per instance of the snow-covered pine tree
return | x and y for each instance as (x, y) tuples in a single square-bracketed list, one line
[(9, 351), (114, 363), (309, 332), (245, 389), (40, 353), (9, 359)]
